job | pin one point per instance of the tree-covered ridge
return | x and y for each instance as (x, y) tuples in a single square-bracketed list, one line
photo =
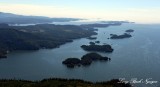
[(55, 82), (39, 36)]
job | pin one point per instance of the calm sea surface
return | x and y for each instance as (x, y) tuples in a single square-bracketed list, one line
[(135, 57)]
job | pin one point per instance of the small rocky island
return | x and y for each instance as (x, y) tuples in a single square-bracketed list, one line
[(125, 35), (129, 30), (99, 48), (97, 42), (3, 54), (92, 38), (94, 43), (85, 60)]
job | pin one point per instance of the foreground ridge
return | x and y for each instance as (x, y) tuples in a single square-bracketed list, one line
[(58, 82)]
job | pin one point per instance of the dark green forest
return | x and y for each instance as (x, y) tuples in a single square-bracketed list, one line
[(62, 83), (38, 36)]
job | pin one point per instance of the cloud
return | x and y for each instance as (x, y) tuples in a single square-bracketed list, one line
[(140, 15), (32, 9)]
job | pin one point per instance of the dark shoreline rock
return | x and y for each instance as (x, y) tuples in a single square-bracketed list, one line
[(86, 60), (99, 48)]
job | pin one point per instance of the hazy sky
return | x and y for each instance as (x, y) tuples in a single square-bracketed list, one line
[(140, 11)]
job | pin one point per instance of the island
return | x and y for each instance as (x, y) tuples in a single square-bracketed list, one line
[(85, 60), (92, 38), (97, 42), (92, 43), (3, 54), (90, 57), (98, 48), (72, 62), (125, 35), (129, 30)]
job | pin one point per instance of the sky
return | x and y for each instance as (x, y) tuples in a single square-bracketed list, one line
[(139, 11)]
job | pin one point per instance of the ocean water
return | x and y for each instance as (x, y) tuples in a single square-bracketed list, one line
[(135, 58)]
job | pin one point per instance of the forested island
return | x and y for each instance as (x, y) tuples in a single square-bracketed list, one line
[(129, 30), (39, 36), (85, 60), (125, 35), (58, 82), (98, 48), (92, 38)]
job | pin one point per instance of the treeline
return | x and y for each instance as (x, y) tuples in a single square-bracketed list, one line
[(57, 82)]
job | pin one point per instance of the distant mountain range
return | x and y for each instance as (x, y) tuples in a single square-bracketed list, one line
[(10, 18)]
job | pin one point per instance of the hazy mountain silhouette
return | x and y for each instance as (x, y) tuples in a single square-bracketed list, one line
[(10, 18)]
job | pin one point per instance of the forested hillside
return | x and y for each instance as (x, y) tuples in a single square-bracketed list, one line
[(39, 36)]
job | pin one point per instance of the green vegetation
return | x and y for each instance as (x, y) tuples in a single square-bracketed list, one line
[(61, 83), (90, 57), (39, 36), (72, 62), (125, 35), (129, 30), (85, 60), (99, 48)]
